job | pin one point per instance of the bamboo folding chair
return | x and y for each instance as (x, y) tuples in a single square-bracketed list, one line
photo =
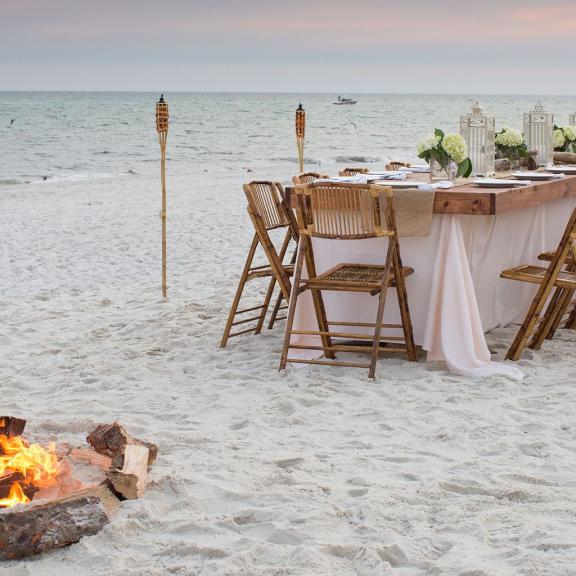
[(560, 276), (341, 211), (395, 165), (268, 211), (353, 171), (307, 177)]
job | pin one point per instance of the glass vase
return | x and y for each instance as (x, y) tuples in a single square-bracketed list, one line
[(439, 172)]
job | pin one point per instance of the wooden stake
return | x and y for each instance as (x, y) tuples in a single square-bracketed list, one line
[(162, 129)]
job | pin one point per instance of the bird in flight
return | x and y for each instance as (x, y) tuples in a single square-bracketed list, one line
[(12, 121)]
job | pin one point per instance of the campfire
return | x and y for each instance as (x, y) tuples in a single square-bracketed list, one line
[(51, 496)]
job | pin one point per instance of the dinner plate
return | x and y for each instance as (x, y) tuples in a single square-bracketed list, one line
[(561, 169), (498, 183), (534, 176)]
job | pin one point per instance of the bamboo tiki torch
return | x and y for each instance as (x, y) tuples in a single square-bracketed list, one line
[(162, 129), (300, 130)]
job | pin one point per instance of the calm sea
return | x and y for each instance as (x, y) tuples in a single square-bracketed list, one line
[(77, 136)]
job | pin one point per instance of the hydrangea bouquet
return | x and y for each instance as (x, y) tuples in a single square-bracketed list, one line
[(565, 138), (510, 144), (446, 151)]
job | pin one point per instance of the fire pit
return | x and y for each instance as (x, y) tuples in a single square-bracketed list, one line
[(51, 496)]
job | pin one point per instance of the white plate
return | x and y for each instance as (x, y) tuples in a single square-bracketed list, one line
[(496, 183), (534, 176), (561, 169)]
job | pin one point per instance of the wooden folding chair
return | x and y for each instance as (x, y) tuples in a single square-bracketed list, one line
[(353, 171), (566, 305), (307, 177), (558, 276), (268, 211), (396, 165), (339, 211)]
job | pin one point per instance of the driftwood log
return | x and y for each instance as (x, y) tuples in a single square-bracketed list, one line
[(35, 528), (112, 439), (10, 426), (129, 473)]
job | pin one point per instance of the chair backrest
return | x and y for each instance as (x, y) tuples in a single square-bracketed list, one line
[(266, 202), (307, 177), (342, 211), (353, 171), (395, 165)]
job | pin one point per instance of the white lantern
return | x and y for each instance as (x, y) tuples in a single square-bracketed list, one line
[(538, 128), (572, 119), (479, 131)]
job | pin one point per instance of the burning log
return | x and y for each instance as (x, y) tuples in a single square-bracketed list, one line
[(10, 426), (129, 474), (112, 439), (7, 481), (29, 530)]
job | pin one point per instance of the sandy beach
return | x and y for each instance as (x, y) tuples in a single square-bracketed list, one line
[(314, 471)]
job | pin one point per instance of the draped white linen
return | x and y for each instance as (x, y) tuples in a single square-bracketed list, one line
[(456, 293)]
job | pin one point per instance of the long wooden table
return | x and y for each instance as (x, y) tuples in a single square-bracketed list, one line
[(466, 198)]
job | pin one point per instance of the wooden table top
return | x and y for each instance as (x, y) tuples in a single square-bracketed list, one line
[(466, 198)]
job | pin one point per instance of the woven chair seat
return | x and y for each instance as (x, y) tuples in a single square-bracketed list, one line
[(363, 277), (535, 275)]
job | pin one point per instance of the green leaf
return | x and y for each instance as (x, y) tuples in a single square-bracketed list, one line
[(465, 168), (439, 133)]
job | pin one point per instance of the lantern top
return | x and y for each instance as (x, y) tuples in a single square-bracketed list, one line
[(161, 101), (300, 108), (477, 109), (539, 106)]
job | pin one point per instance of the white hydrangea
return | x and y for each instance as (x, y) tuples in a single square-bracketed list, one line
[(570, 133), (455, 147), (559, 138), (428, 143), (510, 138)]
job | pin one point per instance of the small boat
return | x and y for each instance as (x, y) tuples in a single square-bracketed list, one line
[(342, 101)]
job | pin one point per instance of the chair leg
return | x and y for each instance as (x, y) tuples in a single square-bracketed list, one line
[(276, 310), (552, 317), (515, 350), (266, 304), (292, 304), (239, 291), (571, 322), (404, 308), (380, 313)]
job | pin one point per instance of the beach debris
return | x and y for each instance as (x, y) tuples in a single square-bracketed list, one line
[(76, 490)]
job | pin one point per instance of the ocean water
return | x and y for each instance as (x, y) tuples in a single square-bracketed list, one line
[(84, 136)]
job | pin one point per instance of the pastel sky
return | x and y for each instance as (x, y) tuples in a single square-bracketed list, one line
[(445, 46)]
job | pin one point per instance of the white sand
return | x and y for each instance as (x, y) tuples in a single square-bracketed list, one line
[(311, 472)]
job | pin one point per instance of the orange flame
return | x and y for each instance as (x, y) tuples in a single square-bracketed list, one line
[(16, 496), (38, 466)]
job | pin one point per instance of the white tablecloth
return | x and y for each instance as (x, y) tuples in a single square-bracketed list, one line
[(456, 293)]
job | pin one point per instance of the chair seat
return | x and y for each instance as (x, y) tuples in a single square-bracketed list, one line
[(535, 275), (355, 277), (267, 272)]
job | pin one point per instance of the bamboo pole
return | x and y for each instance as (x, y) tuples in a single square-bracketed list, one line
[(300, 131), (162, 129)]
